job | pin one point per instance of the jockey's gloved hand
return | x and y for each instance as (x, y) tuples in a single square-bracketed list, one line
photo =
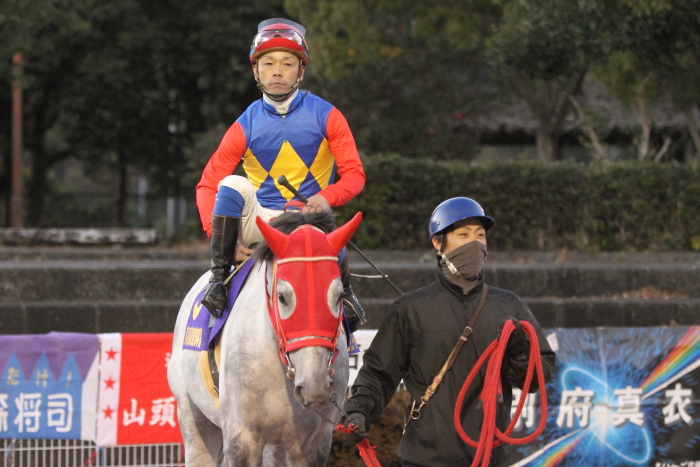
[(518, 343), (359, 426)]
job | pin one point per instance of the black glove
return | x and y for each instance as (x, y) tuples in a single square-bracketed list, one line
[(360, 425), (518, 344)]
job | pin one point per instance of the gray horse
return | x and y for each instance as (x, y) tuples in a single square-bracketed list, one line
[(283, 355)]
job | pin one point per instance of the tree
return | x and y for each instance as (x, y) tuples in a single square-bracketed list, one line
[(681, 80), (46, 33), (635, 87), (5, 152), (405, 73), (668, 49), (126, 84), (540, 52), (652, 58), (161, 74)]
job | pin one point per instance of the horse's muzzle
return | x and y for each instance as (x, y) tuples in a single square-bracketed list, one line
[(312, 397)]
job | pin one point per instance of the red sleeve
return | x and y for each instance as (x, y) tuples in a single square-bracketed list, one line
[(221, 164), (350, 170)]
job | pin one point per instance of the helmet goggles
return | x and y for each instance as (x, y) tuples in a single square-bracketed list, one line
[(289, 34), (279, 34)]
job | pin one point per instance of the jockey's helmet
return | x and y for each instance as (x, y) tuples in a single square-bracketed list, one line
[(279, 34)]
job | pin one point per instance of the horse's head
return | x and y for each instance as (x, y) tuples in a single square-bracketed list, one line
[(304, 298)]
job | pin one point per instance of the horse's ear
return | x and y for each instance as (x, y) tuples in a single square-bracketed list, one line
[(340, 236), (276, 240)]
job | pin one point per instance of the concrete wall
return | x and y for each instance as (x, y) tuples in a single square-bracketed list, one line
[(98, 290)]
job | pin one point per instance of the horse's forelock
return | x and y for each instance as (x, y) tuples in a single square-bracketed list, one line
[(289, 221)]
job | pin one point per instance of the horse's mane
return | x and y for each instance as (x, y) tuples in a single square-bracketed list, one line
[(289, 221)]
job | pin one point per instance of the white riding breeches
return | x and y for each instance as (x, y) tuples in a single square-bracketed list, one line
[(249, 232)]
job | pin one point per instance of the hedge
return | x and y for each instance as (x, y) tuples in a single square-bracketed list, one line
[(629, 206)]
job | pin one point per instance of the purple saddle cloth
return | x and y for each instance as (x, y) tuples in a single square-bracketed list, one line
[(199, 334), (201, 331)]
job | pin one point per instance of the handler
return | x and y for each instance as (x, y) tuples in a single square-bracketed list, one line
[(287, 132), (421, 330)]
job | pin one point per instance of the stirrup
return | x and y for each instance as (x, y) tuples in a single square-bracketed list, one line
[(353, 310)]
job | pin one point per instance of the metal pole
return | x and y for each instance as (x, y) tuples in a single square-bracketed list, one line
[(16, 209)]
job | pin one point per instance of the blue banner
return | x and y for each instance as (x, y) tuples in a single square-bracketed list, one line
[(45, 379), (619, 397)]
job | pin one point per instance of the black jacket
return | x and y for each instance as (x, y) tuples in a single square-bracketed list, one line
[(413, 343)]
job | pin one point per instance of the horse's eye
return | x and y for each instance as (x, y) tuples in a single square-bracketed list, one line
[(281, 298)]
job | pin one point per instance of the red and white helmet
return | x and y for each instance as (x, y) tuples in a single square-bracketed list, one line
[(279, 34)]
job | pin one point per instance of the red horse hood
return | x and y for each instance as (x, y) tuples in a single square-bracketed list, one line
[(307, 260)]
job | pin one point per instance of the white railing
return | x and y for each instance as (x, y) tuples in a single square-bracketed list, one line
[(75, 453)]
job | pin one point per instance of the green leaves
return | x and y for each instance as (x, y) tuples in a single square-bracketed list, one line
[(620, 207)]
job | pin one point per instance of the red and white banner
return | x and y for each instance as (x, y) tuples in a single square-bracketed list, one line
[(135, 405)]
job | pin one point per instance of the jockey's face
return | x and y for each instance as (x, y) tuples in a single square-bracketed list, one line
[(278, 71), (465, 231)]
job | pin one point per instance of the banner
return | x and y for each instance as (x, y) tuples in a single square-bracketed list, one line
[(49, 386), (619, 397), (135, 403)]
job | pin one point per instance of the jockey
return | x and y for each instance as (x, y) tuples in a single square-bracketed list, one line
[(288, 132)]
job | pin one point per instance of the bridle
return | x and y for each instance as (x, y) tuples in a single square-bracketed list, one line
[(286, 345), (313, 255)]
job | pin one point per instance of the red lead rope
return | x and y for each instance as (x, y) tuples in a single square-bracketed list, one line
[(368, 453), (491, 436)]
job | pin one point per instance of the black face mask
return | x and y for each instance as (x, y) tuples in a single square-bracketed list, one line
[(463, 266)]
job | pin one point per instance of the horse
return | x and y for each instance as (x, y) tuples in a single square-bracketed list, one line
[(283, 367)]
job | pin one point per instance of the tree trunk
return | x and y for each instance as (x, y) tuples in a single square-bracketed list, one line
[(36, 186), (599, 151), (40, 119), (643, 140), (644, 137), (550, 106), (689, 111), (5, 183), (548, 146), (122, 195)]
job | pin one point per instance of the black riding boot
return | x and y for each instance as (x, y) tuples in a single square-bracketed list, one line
[(353, 310), (224, 235)]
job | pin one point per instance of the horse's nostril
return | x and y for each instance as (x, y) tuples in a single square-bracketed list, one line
[(299, 395)]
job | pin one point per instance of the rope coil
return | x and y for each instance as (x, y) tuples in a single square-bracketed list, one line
[(490, 436)]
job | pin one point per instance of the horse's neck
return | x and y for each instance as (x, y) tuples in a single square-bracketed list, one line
[(249, 335), (251, 307)]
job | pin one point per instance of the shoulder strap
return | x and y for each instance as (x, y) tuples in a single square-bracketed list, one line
[(415, 411)]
